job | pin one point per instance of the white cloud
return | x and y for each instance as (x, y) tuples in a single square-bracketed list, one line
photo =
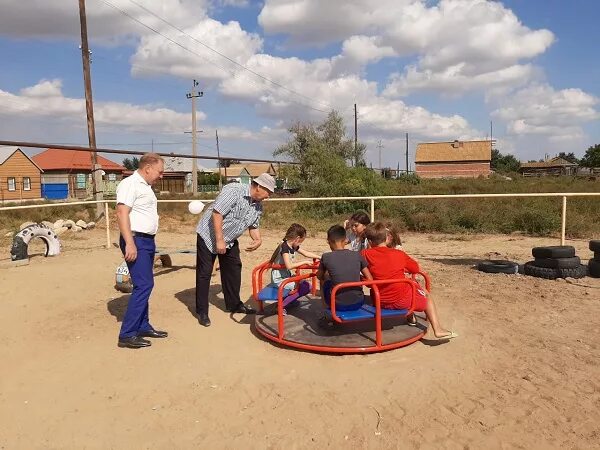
[(461, 45), (156, 55), (46, 100), (539, 109), (59, 19)]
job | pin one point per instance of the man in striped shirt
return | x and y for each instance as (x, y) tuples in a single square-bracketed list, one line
[(236, 209)]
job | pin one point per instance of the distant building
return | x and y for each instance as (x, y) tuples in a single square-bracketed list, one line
[(20, 176), (177, 177), (555, 166), (244, 173), (456, 159), (68, 173)]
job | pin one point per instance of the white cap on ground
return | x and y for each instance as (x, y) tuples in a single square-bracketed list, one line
[(196, 206)]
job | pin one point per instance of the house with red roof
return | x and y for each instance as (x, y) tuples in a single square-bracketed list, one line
[(68, 173)]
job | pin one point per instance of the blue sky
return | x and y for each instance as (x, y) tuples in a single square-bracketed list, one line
[(437, 70)]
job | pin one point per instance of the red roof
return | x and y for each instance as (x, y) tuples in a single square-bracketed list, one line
[(55, 159)]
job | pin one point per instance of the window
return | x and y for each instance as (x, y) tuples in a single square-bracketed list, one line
[(12, 185), (112, 177), (26, 183), (80, 181)]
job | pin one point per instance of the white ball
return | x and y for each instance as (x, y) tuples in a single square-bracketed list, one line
[(196, 207)]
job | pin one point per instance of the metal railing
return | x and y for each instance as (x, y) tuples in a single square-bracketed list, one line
[(372, 199)]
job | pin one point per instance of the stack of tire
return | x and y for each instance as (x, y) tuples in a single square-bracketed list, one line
[(594, 263), (558, 261)]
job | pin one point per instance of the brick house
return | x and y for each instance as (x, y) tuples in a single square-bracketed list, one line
[(20, 176), (455, 159)]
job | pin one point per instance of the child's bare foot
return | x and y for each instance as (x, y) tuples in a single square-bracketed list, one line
[(445, 334)]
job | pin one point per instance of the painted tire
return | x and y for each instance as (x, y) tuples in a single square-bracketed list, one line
[(122, 279), (23, 237)]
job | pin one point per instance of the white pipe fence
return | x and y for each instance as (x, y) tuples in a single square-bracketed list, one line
[(372, 200)]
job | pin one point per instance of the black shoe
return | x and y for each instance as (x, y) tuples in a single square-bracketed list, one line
[(153, 334), (241, 308), (134, 342), (204, 320)]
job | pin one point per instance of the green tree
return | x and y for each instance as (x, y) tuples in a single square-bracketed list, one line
[(569, 157), (131, 164), (504, 163), (591, 157), (329, 135), (322, 152)]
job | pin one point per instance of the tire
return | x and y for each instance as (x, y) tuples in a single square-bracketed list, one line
[(595, 247), (498, 266), (539, 272), (551, 274), (574, 272), (23, 237), (558, 263), (597, 256), (553, 251), (594, 268)]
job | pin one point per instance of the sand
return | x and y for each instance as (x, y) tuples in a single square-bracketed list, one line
[(524, 372)]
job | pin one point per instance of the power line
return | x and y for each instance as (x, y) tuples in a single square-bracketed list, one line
[(232, 73), (228, 58)]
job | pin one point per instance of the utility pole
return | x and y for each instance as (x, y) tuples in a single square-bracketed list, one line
[(219, 161), (89, 107), (355, 137), (406, 153), (380, 146), (193, 95)]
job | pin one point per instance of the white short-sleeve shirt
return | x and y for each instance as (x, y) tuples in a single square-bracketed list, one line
[(136, 193)]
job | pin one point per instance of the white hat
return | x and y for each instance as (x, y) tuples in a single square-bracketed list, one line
[(267, 181)]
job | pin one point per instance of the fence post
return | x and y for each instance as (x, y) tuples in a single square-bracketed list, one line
[(564, 220), (372, 210), (107, 225)]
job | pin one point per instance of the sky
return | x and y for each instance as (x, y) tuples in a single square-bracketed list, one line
[(525, 71)]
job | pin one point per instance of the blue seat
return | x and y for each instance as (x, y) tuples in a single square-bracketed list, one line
[(366, 312), (269, 293)]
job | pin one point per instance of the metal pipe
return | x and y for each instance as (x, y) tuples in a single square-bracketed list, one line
[(563, 228), (130, 152), (107, 224), (372, 210)]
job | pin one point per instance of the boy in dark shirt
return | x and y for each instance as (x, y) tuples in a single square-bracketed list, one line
[(340, 266)]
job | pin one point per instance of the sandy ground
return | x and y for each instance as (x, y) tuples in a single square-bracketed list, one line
[(523, 374)]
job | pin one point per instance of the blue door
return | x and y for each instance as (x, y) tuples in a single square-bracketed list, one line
[(58, 191)]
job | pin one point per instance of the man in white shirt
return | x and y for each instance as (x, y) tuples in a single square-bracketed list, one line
[(137, 215)]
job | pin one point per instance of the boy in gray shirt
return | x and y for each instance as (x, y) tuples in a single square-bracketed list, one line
[(340, 266)]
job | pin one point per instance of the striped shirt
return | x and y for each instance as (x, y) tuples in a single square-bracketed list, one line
[(239, 213)]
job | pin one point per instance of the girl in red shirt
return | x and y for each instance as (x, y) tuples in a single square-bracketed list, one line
[(387, 263)]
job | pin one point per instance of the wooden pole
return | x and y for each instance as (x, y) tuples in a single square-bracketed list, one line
[(355, 137), (563, 228), (219, 161), (89, 107)]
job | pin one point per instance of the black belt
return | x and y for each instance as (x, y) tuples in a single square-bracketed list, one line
[(143, 235)]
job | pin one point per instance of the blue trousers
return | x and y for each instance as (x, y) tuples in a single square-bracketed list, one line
[(142, 276)]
